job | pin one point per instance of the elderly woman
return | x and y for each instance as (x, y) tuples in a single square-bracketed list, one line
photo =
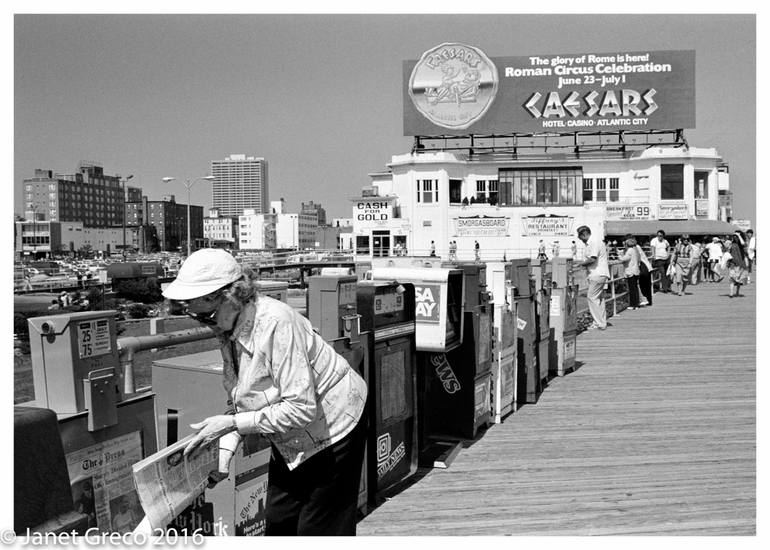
[(630, 259), (285, 382)]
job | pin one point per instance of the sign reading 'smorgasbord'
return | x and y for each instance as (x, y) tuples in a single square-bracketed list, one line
[(456, 89)]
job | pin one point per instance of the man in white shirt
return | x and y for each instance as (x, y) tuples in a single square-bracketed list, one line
[(715, 255), (660, 252), (598, 267)]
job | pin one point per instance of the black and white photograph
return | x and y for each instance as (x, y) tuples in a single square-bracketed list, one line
[(412, 274)]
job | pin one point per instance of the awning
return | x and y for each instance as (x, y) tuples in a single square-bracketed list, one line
[(671, 227)]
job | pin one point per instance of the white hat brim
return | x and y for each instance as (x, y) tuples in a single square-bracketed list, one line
[(179, 290)]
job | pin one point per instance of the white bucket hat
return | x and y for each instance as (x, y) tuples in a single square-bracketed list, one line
[(205, 271)]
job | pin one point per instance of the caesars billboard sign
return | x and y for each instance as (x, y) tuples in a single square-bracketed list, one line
[(457, 89)]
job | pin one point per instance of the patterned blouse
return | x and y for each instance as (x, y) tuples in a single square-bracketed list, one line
[(290, 385)]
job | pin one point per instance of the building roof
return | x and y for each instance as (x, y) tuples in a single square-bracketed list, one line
[(673, 227)]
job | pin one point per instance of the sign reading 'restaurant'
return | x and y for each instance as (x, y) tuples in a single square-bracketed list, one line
[(456, 89)]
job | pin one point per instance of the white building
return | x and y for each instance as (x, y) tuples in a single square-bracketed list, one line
[(293, 230), (220, 229), (509, 205), (256, 231), (240, 183)]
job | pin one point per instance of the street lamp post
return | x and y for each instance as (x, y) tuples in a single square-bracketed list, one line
[(188, 184), (124, 213), (34, 231)]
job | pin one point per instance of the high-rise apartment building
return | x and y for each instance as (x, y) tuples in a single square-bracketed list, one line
[(240, 183)]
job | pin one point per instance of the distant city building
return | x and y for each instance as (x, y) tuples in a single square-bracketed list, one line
[(87, 196), (329, 237), (44, 237), (220, 231), (256, 230), (133, 194), (169, 219), (240, 183), (314, 209)]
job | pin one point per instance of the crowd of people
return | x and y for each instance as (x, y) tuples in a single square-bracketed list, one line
[(685, 262)]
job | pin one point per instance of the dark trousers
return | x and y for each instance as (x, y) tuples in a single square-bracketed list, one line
[(320, 496), (633, 290), (645, 285), (661, 266)]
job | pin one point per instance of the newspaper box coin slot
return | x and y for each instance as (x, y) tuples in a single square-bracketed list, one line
[(330, 298), (388, 315), (64, 350)]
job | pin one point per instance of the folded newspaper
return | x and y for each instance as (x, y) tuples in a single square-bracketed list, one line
[(167, 482)]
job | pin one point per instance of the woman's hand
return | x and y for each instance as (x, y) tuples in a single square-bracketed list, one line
[(209, 430)]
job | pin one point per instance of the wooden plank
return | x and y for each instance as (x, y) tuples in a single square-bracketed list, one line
[(653, 433)]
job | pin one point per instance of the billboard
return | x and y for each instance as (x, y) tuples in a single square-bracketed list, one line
[(456, 89)]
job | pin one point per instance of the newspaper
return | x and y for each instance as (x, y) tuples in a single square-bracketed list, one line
[(168, 482), (102, 487)]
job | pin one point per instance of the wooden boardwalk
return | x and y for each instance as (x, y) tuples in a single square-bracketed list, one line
[(654, 434)]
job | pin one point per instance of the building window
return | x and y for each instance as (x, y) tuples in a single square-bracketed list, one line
[(524, 186), (486, 191), (601, 189), (427, 191), (614, 189), (455, 192), (701, 190), (672, 181), (362, 244)]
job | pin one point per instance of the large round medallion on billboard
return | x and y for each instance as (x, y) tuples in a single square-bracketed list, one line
[(453, 85)]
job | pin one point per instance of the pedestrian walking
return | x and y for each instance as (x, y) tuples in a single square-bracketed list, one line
[(598, 267), (573, 249), (477, 251), (432, 248), (541, 251), (631, 262), (285, 382), (555, 249), (706, 274), (645, 277), (452, 251), (751, 253), (675, 274), (715, 251), (693, 269), (660, 257), (734, 264)]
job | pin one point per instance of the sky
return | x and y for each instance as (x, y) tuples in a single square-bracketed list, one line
[(318, 96)]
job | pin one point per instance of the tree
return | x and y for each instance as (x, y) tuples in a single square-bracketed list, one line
[(86, 251)]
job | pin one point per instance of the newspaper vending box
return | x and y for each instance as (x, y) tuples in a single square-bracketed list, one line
[(277, 290), (189, 389), (459, 414), (499, 282), (77, 374), (542, 275), (439, 322), (387, 321), (330, 300), (563, 318)]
